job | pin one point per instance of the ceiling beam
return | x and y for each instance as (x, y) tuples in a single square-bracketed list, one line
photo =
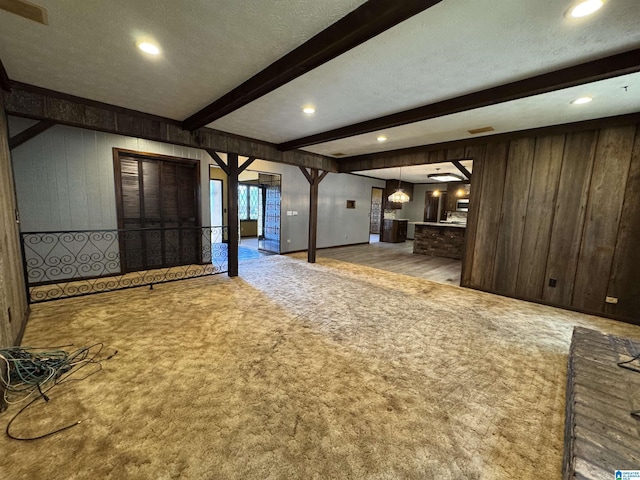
[(362, 24), (5, 83), (608, 67), (460, 149), (37, 103)]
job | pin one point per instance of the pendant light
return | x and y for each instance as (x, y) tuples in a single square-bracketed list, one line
[(399, 196)]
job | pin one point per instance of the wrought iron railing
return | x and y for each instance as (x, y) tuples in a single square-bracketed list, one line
[(82, 262)]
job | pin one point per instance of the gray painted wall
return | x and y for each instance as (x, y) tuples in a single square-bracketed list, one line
[(65, 181)]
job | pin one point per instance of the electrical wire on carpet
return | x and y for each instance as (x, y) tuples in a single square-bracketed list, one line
[(33, 372)]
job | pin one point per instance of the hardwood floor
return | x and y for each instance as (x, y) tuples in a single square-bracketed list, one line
[(398, 258)]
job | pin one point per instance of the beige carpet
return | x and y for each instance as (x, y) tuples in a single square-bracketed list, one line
[(299, 371)]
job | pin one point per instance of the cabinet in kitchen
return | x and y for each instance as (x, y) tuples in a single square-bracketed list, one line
[(394, 231)]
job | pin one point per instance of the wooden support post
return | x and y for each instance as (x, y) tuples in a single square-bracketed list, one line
[(232, 170), (314, 180), (232, 214)]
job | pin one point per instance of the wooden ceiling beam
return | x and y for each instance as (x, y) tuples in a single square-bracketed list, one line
[(435, 152), (365, 22), (608, 67), (37, 103)]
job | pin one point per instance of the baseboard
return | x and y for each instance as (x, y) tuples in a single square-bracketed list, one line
[(619, 318), (327, 248), (343, 245)]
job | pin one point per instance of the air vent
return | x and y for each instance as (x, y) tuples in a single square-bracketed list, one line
[(481, 130), (339, 154)]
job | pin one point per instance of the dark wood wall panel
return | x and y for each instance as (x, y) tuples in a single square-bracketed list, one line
[(477, 154), (568, 220), (490, 206), (512, 219), (606, 198), (624, 283), (543, 191)]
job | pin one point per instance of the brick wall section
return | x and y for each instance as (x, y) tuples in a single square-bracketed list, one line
[(439, 241)]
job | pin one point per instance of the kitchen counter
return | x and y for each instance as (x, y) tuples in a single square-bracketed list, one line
[(441, 224), (439, 239)]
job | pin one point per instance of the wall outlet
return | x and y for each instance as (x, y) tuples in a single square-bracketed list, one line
[(613, 300)]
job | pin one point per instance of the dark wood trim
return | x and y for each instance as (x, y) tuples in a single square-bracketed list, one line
[(216, 158), (463, 170), (322, 175), (601, 69), (247, 162), (37, 103), (306, 174), (365, 22), (313, 216), (419, 155), (232, 215), (5, 83), (30, 133)]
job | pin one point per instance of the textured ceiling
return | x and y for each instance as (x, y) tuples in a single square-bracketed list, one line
[(211, 46), (208, 47), (610, 98), (453, 48)]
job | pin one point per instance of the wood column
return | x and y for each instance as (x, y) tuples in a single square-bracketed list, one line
[(232, 214), (314, 179)]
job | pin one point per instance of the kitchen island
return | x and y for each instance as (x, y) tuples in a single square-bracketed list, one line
[(439, 239)]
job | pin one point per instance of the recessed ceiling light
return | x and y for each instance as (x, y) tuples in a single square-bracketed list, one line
[(581, 100), (381, 138), (309, 110), (148, 47), (584, 8)]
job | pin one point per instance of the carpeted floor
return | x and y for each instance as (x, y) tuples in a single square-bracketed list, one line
[(299, 371)]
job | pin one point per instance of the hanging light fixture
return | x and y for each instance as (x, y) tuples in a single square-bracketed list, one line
[(445, 177), (399, 196)]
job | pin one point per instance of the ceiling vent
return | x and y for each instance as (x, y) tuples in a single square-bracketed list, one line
[(475, 131)]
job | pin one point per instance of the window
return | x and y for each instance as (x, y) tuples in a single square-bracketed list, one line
[(248, 201)]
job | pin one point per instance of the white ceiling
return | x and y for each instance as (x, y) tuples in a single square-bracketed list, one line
[(417, 173), (211, 46)]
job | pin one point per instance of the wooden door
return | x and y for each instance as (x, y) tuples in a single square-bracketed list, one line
[(157, 200)]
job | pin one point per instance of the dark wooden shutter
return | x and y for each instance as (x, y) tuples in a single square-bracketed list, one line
[(158, 203)]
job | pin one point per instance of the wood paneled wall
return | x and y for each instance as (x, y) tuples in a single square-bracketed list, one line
[(13, 299), (559, 207)]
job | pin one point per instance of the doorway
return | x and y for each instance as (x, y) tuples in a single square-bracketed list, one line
[(258, 210)]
